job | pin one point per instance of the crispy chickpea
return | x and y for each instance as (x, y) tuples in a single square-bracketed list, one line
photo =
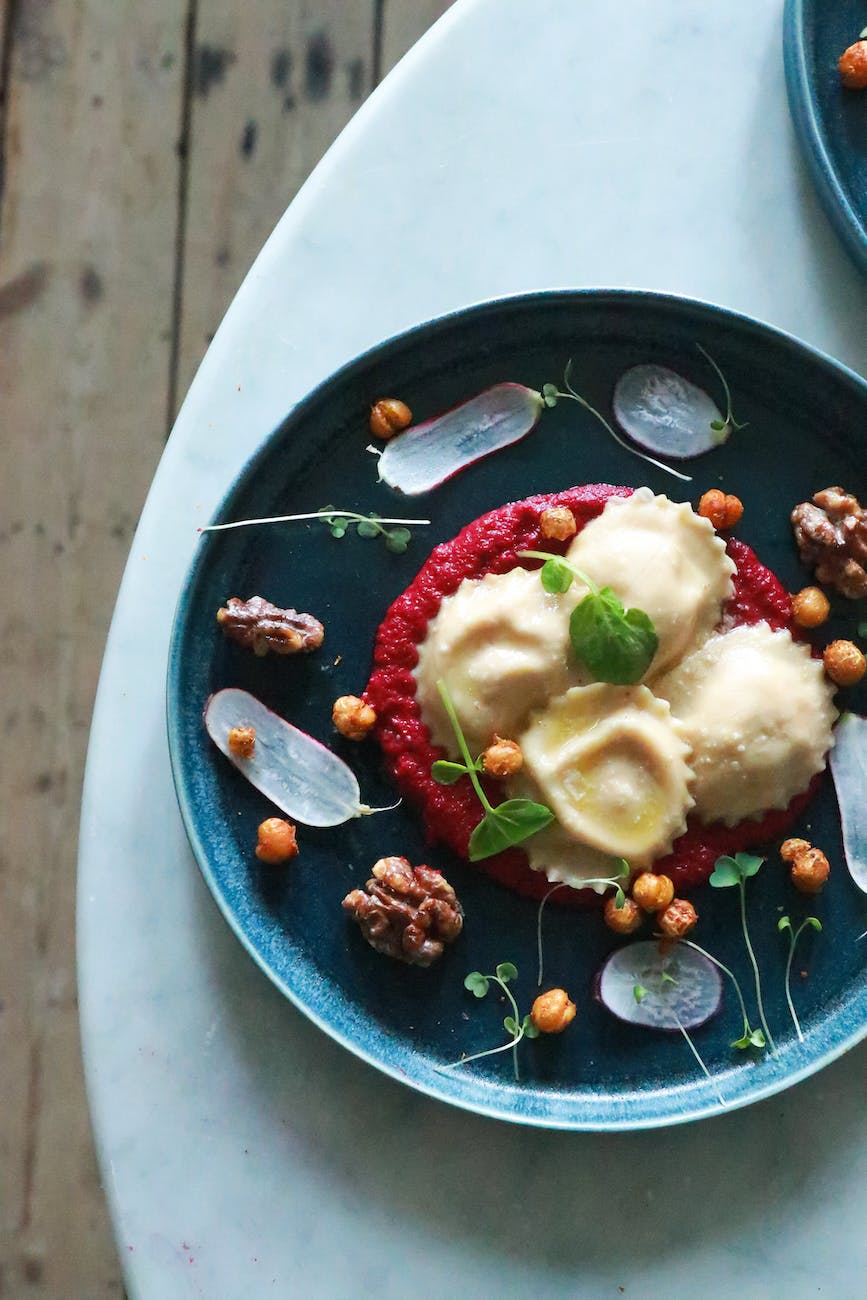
[(678, 919), (844, 663), (853, 66), (652, 893), (790, 849), (352, 717), (622, 920), (388, 417), (503, 758), (810, 607), (276, 841), (810, 870), (242, 741), (552, 1011), (557, 524), (721, 508)]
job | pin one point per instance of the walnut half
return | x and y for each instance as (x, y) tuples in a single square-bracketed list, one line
[(831, 532), (259, 626), (406, 912)]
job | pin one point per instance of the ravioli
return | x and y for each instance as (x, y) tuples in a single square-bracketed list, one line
[(501, 644), (659, 556), (611, 764), (757, 710)]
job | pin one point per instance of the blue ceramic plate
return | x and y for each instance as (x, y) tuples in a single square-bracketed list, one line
[(831, 121), (807, 418)]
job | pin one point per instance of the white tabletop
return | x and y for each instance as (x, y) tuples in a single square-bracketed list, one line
[(521, 145)]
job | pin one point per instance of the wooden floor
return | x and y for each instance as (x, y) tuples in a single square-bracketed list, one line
[(147, 148)]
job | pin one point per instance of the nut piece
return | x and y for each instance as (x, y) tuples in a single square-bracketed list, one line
[(678, 919), (276, 841), (790, 849), (552, 1011), (810, 870), (622, 920), (259, 626), (352, 717), (853, 66), (721, 508), (503, 758), (831, 533), (652, 893), (410, 913), (844, 663), (557, 524), (810, 607), (242, 741), (388, 417)]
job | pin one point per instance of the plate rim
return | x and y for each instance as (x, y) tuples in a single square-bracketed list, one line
[(849, 225), (701, 1109)]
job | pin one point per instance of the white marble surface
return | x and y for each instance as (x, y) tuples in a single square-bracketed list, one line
[(520, 145)]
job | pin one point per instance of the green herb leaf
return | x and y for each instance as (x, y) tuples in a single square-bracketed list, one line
[(757, 1038), (446, 773), (477, 983), (510, 1025), (747, 864), (550, 395), (367, 528), (814, 922), (784, 923), (556, 576), (717, 425), (338, 529), (621, 870), (614, 644), (530, 1030), (619, 899), (667, 978), (725, 873), (639, 992), (508, 824), (507, 971)]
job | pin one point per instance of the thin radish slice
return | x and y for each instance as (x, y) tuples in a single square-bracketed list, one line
[(663, 412), (849, 770), (428, 454), (691, 995), (305, 780)]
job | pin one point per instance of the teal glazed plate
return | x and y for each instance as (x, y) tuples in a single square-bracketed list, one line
[(831, 122), (807, 420)]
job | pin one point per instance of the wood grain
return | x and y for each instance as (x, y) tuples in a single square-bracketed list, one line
[(87, 219)]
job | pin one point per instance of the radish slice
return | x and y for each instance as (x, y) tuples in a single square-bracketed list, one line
[(849, 770), (663, 412), (303, 778), (428, 454), (693, 998)]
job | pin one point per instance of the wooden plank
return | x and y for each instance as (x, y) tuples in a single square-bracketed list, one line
[(274, 82), (87, 221), (403, 22)]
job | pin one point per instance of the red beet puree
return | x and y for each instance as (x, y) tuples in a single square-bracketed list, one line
[(490, 545)]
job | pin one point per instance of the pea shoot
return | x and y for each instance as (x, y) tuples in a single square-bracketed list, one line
[(517, 1026), (784, 924), (730, 871), (616, 645), (508, 824)]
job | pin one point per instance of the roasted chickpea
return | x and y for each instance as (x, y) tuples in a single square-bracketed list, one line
[(844, 663), (853, 66), (503, 758), (652, 893), (810, 607), (622, 920), (557, 524), (388, 417), (276, 841), (678, 919), (242, 741), (352, 717), (552, 1011), (790, 849), (721, 508), (810, 870)]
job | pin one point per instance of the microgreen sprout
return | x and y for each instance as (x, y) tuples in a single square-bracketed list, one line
[(614, 881), (736, 871), (784, 924), (509, 823), (615, 644), (551, 395), (750, 1037), (666, 983), (729, 424), (340, 522), (517, 1026)]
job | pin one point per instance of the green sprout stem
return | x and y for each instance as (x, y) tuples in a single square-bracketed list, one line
[(794, 936), (692, 1047), (735, 981), (315, 514), (729, 423), (462, 745), (551, 891), (520, 1031), (560, 559), (755, 965)]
